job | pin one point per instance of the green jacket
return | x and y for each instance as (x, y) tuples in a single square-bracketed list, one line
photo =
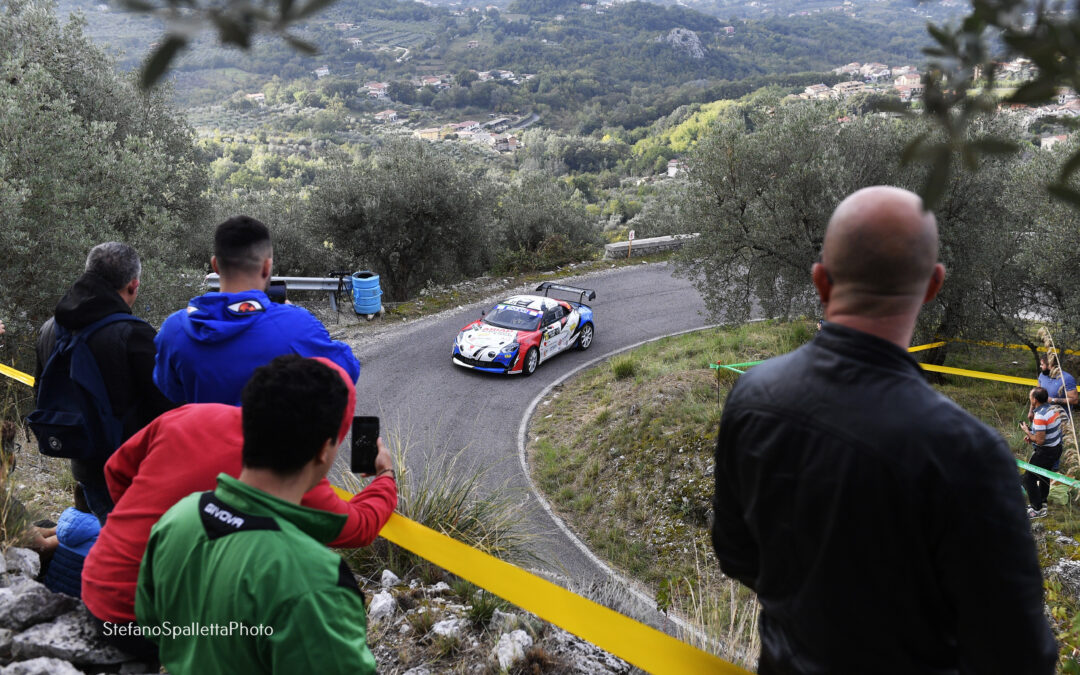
[(239, 581)]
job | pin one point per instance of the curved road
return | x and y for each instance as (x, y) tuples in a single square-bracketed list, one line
[(409, 381)]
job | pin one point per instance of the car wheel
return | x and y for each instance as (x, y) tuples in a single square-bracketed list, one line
[(532, 360), (586, 337)]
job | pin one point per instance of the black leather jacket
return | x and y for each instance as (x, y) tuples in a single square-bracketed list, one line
[(881, 525)]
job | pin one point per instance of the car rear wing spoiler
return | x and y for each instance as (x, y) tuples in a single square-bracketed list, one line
[(582, 293)]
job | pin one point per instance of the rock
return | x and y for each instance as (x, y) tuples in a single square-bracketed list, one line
[(511, 648), (450, 628), (72, 637), (441, 587), (685, 41), (6, 637), (41, 666), (382, 606), (1068, 573), (419, 670), (3, 565), (22, 561), (29, 602), (502, 622), (389, 579), (582, 656)]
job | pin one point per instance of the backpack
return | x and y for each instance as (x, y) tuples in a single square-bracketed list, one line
[(74, 417)]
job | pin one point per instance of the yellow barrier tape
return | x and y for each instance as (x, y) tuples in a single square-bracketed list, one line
[(979, 374), (17, 375), (929, 346), (1002, 345), (636, 643)]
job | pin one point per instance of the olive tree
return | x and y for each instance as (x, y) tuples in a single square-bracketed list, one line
[(409, 212)]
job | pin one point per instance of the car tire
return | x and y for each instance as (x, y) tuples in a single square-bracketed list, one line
[(532, 360), (584, 340)]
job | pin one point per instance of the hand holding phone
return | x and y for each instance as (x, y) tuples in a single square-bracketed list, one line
[(365, 444)]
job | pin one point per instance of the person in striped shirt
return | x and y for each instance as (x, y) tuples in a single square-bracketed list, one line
[(1045, 436)]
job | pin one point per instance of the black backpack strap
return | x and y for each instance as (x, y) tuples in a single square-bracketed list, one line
[(84, 333)]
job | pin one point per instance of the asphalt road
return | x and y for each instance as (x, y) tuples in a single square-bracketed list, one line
[(408, 380)]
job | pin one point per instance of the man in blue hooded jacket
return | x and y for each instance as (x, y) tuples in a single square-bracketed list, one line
[(207, 352)]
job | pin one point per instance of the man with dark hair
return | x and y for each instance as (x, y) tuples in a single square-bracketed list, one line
[(181, 452), (1059, 385), (853, 498), (207, 352), (246, 563), (124, 352), (1044, 434)]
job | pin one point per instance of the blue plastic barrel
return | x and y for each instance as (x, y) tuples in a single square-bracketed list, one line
[(367, 294)]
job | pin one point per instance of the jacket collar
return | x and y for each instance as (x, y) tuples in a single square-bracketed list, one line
[(865, 347), (322, 526)]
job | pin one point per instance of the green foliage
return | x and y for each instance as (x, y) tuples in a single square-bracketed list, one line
[(764, 185), (482, 606), (408, 212), (965, 55), (85, 158)]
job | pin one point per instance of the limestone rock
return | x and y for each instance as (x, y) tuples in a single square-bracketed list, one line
[(6, 638), (441, 587), (41, 666), (583, 657), (419, 670), (382, 606), (22, 561), (1068, 573), (389, 579), (511, 648), (686, 42), (72, 637), (29, 602), (502, 622), (450, 628)]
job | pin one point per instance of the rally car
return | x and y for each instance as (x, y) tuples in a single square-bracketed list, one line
[(523, 331)]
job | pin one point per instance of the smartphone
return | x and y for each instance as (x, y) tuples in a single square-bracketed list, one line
[(365, 436), (277, 291)]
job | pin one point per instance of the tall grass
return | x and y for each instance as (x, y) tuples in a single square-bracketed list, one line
[(449, 495), (722, 614)]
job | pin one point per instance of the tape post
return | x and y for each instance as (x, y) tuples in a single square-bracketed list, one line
[(635, 643)]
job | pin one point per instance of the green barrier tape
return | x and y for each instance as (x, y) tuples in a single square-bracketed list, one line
[(1047, 473)]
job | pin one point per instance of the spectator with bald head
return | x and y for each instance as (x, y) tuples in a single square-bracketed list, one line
[(879, 523)]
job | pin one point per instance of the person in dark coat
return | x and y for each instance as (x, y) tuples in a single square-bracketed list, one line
[(878, 522), (124, 352), (76, 532)]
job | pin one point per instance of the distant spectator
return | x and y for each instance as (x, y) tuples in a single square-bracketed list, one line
[(1060, 385), (207, 352), (1045, 435), (249, 555), (124, 352), (76, 532)]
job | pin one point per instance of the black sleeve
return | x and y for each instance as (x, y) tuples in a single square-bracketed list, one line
[(989, 566), (734, 544), (140, 350)]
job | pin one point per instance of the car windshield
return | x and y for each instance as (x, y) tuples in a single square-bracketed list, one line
[(514, 318)]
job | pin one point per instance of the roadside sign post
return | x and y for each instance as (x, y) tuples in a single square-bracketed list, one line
[(631, 246)]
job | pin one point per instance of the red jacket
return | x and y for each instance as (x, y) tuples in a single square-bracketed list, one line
[(182, 452)]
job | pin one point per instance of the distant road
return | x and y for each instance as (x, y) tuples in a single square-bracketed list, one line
[(409, 381)]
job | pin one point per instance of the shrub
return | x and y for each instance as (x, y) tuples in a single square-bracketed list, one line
[(623, 367)]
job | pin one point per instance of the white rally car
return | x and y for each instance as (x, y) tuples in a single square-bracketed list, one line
[(523, 331)]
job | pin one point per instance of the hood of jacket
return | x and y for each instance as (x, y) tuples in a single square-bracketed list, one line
[(217, 317), (89, 299), (77, 530)]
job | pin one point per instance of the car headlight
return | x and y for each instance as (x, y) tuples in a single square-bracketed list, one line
[(510, 348)]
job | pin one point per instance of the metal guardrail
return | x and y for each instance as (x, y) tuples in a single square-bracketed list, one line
[(331, 285)]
